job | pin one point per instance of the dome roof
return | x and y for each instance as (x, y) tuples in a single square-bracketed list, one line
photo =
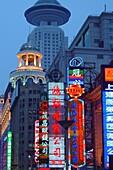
[(28, 46), (47, 1), (48, 11)]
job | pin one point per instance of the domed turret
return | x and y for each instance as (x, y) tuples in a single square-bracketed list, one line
[(29, 65), (28, 47), (47, 11), (29, 57)]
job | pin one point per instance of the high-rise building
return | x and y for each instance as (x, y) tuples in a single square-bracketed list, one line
[(28, 82), (47, 16), (94, 41)]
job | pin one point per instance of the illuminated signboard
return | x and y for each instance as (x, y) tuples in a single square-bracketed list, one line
[(77, 137), (107, 109), (43, 132), (75, 75), (56, 132), (9, 150), (75, 90), (44, 168), (44, 140), (36, 144), (76, 132)]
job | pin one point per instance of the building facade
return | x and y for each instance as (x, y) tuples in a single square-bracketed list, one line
[(28, 81), (94, 41)]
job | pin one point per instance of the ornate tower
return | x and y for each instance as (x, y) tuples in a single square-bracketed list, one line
[(28, 82), (29, 66)]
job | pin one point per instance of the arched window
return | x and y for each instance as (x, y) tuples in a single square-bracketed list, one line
[(30, 81)]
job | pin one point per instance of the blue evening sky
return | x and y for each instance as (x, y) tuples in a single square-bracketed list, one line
[(14, 29)]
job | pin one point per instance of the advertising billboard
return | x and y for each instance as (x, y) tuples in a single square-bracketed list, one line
[(43, 131), (9, 150), (76, 132), (77, 135), (107, 112), (56, 132), (75, 75), (36, 143)]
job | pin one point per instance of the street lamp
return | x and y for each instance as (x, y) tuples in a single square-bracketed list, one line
[(66, 124), (30, 157)]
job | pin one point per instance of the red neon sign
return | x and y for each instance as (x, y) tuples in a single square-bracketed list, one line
[(77, 138), (56, 137), (75, 90)]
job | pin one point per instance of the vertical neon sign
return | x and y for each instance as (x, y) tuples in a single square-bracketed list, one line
[(43, 131), (76, 133), (107, 108), (36, 144), (56, 132), (77, 138), (9, 150)]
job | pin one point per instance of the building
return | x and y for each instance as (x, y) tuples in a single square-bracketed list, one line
[(28, 82), (94, 41), (91, 47), (5, 117), (47, 16)]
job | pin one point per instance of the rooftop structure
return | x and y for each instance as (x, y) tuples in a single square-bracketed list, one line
[(47, 16), (49, 11)]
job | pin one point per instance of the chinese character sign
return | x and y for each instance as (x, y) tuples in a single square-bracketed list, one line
[(77, 135), (43, 132), (56, 132), (36, 143), (43, 137), (107, 109), (9, 150), (75, 75)]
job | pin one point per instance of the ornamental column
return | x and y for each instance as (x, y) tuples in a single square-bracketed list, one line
[(34, 60), (20, 62), (26, 60), (39, 62)]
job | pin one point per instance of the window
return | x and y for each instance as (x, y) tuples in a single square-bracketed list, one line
[(86, 38), (30, 112), (30, 99), (30, 81), (30, 104), (110, 20), (96, 40), (30, 91), (96, 24), (29, 127), (111, 37), (34, 91), (110, 29), (99, 56)]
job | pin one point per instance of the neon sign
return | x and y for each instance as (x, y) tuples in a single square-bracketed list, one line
[(107, 106), (77, 138), (43, 131), (56, 132), (43, 135), (75, 90), (36, 144), (75, 75), (75, 79), (9, 150)]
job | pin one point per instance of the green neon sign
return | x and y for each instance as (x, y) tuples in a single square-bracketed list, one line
[(9, 150)]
